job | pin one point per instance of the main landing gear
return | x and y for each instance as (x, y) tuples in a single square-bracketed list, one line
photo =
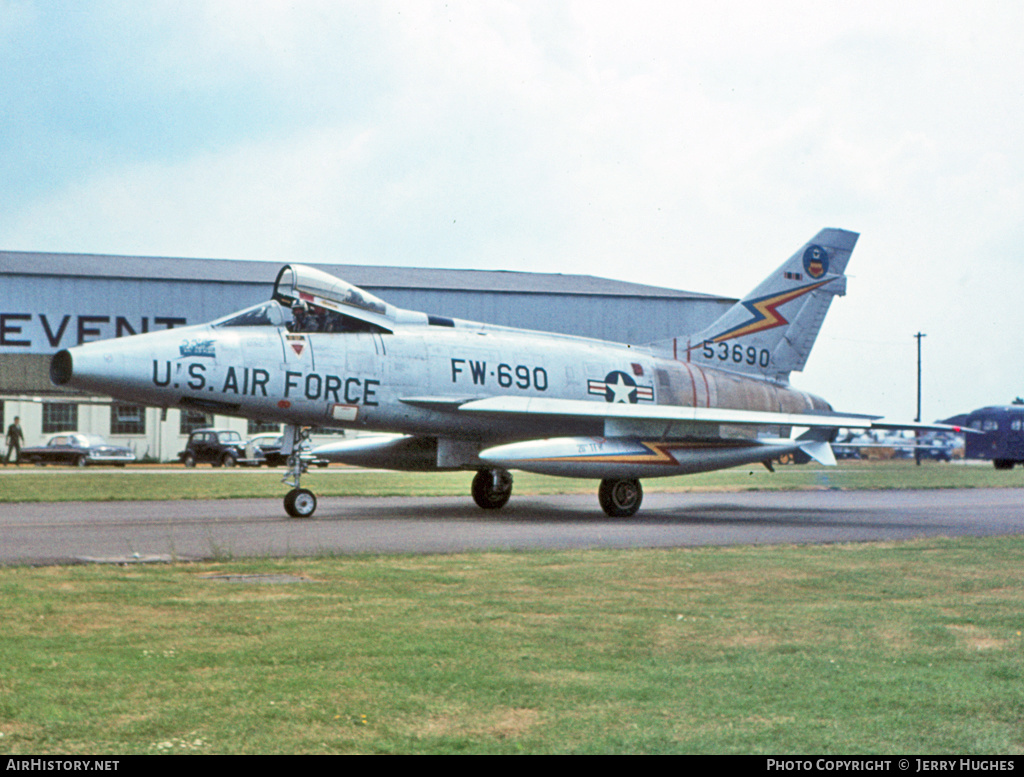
[(299, 502), (620, 498), (492, 488)]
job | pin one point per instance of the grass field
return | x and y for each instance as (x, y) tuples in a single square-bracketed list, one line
[(55, 484), (912, 647), (866, 648)]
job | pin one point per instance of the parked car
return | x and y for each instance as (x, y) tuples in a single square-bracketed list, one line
[(849, 445), (266, 449), (219, 447), (79, 449), (936, 446)]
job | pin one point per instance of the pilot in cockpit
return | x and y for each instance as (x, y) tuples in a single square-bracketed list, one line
[(313, 318), (316, 321), (299, 317)]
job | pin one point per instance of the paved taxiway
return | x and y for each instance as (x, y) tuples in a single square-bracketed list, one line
[(67, 532)]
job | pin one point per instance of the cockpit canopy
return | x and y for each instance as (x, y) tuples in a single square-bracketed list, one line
[(310, 300), (297, 283)]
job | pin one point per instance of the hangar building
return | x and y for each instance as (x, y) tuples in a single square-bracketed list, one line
[(52, 301)]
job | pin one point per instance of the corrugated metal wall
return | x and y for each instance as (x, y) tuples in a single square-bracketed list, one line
[(53, 301), (42, 311)]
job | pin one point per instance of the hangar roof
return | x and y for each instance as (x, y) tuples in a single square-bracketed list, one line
[(243, 271)]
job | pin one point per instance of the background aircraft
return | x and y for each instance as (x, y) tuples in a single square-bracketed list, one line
[(463, 395)]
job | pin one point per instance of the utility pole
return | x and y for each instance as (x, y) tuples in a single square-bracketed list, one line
[(917, 419), (918, 336)]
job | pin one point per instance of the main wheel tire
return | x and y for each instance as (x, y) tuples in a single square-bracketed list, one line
[(486, 495), (1003, 463), (228, 460), (189, 460), (300, 503), (620, 498)]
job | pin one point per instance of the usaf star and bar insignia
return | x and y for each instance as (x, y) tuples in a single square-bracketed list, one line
[(619, 386)]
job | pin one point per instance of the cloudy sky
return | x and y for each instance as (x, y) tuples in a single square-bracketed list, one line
[(693, 145)]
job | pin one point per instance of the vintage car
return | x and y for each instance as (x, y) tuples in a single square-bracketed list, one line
[(79, 449), (219, 447), (266, 449)]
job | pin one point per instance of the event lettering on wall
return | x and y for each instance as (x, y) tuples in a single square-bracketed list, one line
[(42, 333)]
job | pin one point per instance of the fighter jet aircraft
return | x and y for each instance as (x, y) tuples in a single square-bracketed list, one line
[(460, 395)]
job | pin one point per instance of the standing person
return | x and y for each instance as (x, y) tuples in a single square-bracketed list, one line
[(15, 438)]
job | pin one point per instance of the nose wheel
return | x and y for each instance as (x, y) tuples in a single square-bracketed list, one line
[(299, 502)]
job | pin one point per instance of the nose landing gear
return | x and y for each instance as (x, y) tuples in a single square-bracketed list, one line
[(299, 502)]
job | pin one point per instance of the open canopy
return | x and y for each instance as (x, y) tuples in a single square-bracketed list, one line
[(298, 283), (336, 306)]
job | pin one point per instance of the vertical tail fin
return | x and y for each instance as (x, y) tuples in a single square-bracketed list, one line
[(770, 331)]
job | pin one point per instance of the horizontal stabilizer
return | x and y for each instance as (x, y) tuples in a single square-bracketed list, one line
[(821, 452)]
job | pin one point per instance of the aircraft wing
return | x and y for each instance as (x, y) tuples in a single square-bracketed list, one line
[(573, 408), (912, 426)]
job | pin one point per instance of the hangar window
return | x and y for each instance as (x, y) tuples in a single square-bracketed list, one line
[(127, 419), (262, 427), (59, 417), (193, 419)]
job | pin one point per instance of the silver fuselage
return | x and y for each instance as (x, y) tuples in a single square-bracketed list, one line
[(409, 381)]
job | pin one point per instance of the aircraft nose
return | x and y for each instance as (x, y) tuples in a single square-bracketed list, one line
[(61, 368), (96, 367)]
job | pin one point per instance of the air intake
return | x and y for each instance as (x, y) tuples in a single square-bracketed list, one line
[(60, 368)]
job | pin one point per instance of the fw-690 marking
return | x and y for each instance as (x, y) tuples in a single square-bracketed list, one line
[(520, 376)]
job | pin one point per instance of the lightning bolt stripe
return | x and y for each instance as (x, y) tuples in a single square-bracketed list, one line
[(765, 312), (655, 453)]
